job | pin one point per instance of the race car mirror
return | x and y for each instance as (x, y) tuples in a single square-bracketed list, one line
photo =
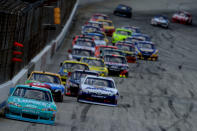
[(11, 91), (61, 64), (69, 51)]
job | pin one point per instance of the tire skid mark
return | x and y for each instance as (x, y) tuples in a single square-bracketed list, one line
[(171, 106), (84, 112), (180, 117)]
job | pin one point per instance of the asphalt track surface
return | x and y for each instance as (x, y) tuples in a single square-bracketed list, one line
[(157, 96)]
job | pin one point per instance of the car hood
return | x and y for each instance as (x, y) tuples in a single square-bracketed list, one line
[(100, 42), (31, 103), (97, 68), (99, 90)]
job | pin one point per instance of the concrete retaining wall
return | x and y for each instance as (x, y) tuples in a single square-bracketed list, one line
[(39, 62)]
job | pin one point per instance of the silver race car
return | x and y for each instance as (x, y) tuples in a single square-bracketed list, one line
[(160, 20)]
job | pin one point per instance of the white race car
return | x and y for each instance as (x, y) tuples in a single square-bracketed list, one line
[(98, 90), (160, 20)]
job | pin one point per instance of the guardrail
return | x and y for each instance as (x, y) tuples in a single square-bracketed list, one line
[(38, 62)]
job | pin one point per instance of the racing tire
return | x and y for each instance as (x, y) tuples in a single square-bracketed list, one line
[(127, 75), (115, 12), (129, 15), (189, 23), (61, 98)]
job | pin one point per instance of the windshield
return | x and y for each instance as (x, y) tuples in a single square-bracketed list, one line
[(101, 17), (45, 78), (98, 37), (35, 94), (75, 66), (111, 52), (99, 82), (84, 38), (125, 47), (82, 52), (93, 62), (85, 43), (106, 23), (136, 39), (115, 59), (91, 29), (133, 29), (148, 46), (79, 74), (123, 32)]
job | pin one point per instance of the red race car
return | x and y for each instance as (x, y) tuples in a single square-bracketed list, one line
[(100, 48), (182, 17), (82, 37)]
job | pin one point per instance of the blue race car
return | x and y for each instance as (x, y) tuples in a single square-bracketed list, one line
[(123, 10), (29, 103), (146, 50), (160, 20), (48, 80), (138, 37), (73, 81)]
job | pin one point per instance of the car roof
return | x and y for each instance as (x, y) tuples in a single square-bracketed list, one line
[(47, 73), (115, 55), (92, 58), (145, 42), (119, 43), (123, 30), (124, 5), (96, 22), (107, 46), (99, 14), (104, 20), (74, 61), (161, 16), (100, 77), (113, 50), (87, 71), (95, 33), (91, 26), (32, 87)]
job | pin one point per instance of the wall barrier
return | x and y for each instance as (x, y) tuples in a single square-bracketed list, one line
[(38, 62)]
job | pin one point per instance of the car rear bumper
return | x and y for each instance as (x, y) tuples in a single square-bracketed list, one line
[(96, 100)]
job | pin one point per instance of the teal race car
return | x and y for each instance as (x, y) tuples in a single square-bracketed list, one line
[(29, 103), (120, 34)]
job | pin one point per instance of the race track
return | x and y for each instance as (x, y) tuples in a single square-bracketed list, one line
[(157, 96)]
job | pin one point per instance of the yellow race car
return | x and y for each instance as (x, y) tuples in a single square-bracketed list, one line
[(69, 66), (96, 64), (108, 26)]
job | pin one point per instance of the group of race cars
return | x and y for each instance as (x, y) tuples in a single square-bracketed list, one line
[(85, 74), (181, 16)]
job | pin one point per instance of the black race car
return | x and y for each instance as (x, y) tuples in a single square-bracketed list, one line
[(123, 10)]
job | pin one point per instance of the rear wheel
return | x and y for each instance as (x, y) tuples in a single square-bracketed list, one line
[(129, 15), (61, 98)]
